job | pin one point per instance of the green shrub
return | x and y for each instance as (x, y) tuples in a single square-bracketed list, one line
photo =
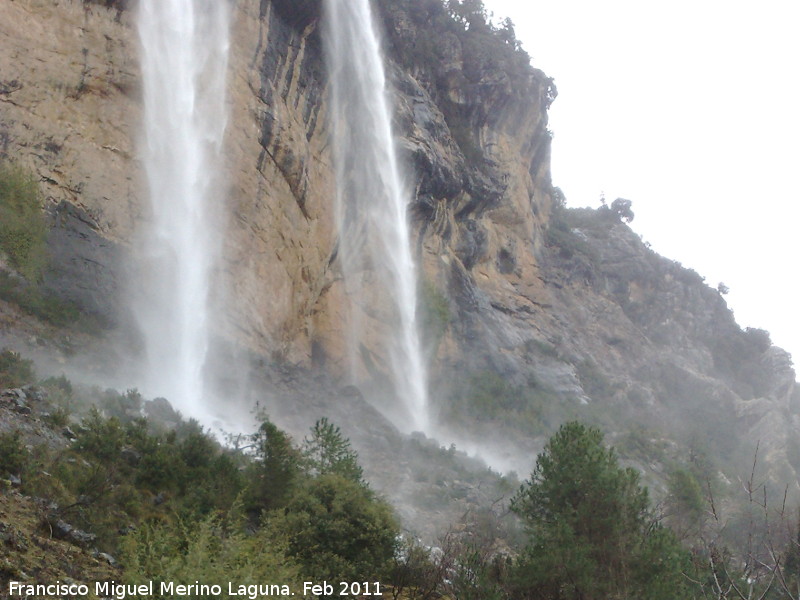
[(13, 454), (22, 228), (642, 444), (212, 550), (686, 502), (60, 393), (489, 397), (490, 394), (58, 418), (570, 245), (337, 530), (100, 438), (15, 371)]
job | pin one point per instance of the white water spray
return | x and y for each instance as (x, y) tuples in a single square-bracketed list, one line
[(184, 49), (374, 236)]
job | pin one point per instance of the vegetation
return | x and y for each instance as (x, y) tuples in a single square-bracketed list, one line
[(568, 243), (337, 530), (23, 247), (685, 503), (274, 474), (169, 502), (487, 396), (22, 228), (444, 32), (435, 314), (15, 371), (217, 548), (622, 209), (328, 452), (593, 381), (31, 299), (485, 47), (13, 454), (592, 534), (172, 502)]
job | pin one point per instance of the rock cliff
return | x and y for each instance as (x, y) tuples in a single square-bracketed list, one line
[(549, 312)]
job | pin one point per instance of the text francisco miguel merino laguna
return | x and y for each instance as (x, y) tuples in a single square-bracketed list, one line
[(120, 591)]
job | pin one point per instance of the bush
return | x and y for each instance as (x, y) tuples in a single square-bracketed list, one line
[(211, 550), (22, 228), (593, 381), (337, 530), (561, 236), (99, 438), (15, 371), (13, 454), (685, 503)]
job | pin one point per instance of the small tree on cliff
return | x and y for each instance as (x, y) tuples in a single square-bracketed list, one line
[(592, 535)]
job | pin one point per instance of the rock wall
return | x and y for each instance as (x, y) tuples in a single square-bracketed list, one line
[(71, 108), (68, 105), (609, 325)]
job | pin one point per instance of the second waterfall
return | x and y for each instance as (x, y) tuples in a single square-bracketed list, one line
[(372, 202)]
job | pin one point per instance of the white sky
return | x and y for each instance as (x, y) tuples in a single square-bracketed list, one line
[(691, 110)]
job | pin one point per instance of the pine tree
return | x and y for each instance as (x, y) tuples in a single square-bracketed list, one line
[(328, 451), (591, 531)]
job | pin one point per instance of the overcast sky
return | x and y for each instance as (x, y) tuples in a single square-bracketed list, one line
[(689, 109)]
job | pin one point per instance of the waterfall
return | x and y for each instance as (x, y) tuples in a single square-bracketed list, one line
[(374, 237), (184, 49)]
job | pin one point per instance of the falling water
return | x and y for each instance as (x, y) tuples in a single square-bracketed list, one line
[(184, 48), (374, 239)]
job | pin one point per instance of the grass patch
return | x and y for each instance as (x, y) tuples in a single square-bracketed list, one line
[(22, 226)]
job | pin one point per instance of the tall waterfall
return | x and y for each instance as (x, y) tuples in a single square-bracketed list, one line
[(184, 49), (372, 202)]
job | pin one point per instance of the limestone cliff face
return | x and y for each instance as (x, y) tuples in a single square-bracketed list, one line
[(592, 317), (68, 107), (71, 109)]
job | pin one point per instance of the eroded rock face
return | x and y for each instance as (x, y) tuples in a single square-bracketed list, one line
[(71, 110), (68, 103), (612, 325)]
